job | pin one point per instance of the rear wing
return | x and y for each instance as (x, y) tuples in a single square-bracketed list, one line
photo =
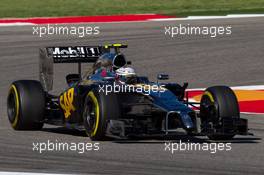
[(69, 54), (78, 54)]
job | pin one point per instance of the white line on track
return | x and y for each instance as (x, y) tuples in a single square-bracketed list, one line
[(16, 24), (252, 113), (24, 173), (210, 17)]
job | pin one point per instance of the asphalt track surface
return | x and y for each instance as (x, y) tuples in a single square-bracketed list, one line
[(200, 60)]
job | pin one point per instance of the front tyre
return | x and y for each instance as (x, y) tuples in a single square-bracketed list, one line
[(219, 103), (26, 105), (98, 110)]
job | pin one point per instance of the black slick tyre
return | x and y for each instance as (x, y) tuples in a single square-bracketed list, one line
[(26, 105), (99, 108), (223, 104)]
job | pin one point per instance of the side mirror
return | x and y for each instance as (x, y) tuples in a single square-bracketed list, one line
[(185, 85), (162, 76)]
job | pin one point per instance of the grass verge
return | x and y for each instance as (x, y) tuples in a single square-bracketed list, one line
[(38, 8)]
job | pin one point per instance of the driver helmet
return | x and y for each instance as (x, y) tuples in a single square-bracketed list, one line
[(126, 75), (119, 61)]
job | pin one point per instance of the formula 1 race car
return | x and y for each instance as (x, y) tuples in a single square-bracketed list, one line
[(111, 101)]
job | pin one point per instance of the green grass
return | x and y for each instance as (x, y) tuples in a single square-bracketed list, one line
[(37, 8)]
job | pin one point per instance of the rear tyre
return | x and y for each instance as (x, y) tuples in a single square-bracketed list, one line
[(218, 102), (26, 105), (98, 110)]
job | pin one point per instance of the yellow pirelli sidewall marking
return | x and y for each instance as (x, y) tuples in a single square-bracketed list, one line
[(13, 87), (117, 45), (209, 95), (66, 102), (95, 101)]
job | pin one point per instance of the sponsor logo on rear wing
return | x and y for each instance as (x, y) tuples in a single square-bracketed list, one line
[(80, 54), (77, 54)]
